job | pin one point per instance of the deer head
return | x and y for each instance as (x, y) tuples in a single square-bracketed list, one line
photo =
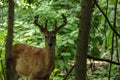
[(50, 36)]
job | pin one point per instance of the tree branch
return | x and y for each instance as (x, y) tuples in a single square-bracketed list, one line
[(96, 59), (106, 18), (105, 60), (65, 78)]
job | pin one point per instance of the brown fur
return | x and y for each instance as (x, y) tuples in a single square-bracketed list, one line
[(32, 62), (37, 63)]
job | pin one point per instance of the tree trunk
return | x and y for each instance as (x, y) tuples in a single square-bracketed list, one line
[(83, 36), (8, 46)]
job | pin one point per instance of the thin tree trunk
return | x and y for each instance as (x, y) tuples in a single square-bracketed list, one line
[(8, 46), (83, 36)]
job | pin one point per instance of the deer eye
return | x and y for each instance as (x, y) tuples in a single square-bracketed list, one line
[(54, 36), (45, 36)]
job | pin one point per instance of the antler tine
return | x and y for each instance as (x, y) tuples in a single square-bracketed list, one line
[(55, 25), (63, 24), (37, 24), (46, 21)]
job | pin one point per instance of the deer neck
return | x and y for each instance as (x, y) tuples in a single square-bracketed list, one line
[(50, 52), (51, 56)]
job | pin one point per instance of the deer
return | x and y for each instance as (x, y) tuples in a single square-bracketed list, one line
[(37, 63)]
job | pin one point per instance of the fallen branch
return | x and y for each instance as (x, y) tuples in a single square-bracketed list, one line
[(96, 59), (105, 60)]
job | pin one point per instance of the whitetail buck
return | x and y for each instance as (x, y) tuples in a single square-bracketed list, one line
[(37, 63)]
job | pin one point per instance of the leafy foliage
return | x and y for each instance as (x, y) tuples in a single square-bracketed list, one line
[(25, 31)]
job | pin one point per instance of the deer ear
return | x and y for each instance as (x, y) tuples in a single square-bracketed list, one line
[(44, 32)]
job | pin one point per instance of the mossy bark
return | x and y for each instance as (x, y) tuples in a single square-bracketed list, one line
[(83, 37), (8, 45)]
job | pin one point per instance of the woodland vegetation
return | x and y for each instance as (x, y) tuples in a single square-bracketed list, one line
[(102, 50)]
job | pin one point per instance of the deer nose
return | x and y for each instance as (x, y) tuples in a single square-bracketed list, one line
[(50, 44)]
